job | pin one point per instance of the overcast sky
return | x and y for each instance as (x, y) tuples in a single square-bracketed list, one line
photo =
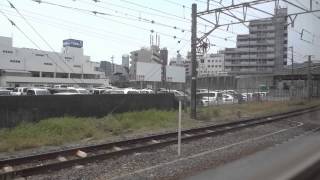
[(120, 31)]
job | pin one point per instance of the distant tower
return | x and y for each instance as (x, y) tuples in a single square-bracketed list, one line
[(125, 60), (164, 56)]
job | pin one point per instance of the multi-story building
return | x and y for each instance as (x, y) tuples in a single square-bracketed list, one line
[(263, 50), (182, 62), (32, 67), (125, 61), (144, 55), (211, 64), (114, 71)]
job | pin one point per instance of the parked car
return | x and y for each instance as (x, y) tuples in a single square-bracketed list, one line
[(146, 91), (122, 91), (228, 99), (98, 91), (37, 92), (19, 91), (79, 90), (5, 92), (247, 96), (209, 98)]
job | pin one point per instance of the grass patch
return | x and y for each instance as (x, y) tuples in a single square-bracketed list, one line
[(252, 109), (58, 131)]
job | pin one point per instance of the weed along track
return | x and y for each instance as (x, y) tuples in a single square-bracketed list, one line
[(52, 161)]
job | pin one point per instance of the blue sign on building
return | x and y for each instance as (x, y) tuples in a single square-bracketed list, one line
[(73, 43)]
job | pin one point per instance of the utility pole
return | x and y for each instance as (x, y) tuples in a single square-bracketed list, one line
[(194, 62), (309, 78), (291, 71), (112, 58)]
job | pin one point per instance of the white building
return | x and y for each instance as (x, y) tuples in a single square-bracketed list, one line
[(32, 67), (125, 60), (182, 62), (145, 55), (211, 64), (263, 50)]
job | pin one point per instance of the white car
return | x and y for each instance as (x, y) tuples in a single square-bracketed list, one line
[(37, 92), (5, 92), (146, 91), (122, 91), (82, 91), (207, 100), (210, 98), (18, 91), (227, 99)]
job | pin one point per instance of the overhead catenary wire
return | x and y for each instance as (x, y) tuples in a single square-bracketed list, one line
[(103, 16), (96, 13), (33, 42), (64, 24), (41, 37)]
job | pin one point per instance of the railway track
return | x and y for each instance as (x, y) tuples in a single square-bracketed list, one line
[(52, 161)]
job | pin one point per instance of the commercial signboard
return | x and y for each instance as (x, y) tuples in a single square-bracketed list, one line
[(73, 43)]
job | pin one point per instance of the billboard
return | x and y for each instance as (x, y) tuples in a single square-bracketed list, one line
[(148, 72), (73, 43), (175, 74)]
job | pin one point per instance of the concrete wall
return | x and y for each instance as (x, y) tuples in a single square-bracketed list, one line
[(16, 109), (252, 82)]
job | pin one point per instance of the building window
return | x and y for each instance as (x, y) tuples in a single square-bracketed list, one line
[(48, 64), (77, 66), (15, 61), (68, 58), (61, 75), (7, 52), (75, 76), (47, 74), (35, 74), (89, 76), (40, 55)]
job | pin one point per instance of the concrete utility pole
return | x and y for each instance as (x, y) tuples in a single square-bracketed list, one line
[(194, 62), (309, 78), (112, 58), (291, 89)]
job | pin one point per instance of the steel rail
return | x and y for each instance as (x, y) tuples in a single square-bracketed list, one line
[(132, 145)]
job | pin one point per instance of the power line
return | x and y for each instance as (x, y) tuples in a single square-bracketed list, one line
[(97, 13), (41, 37), (35, 44)]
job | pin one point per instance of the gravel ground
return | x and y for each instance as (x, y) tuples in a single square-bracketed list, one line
[(197, 155)]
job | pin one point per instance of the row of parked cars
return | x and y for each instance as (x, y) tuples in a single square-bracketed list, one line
[(62, 90), (208, 97)]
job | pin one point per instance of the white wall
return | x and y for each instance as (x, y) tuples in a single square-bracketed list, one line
[(148, 72), (175, 74)]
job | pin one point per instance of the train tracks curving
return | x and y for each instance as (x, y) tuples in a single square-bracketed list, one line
[(52, 161)]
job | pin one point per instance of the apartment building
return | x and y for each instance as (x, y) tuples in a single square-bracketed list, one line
[(263, 50)]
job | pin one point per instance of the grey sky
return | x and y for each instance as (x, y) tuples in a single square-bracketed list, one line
[(106, 35)]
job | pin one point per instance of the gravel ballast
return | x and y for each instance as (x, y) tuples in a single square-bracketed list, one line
[(197, 155)]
